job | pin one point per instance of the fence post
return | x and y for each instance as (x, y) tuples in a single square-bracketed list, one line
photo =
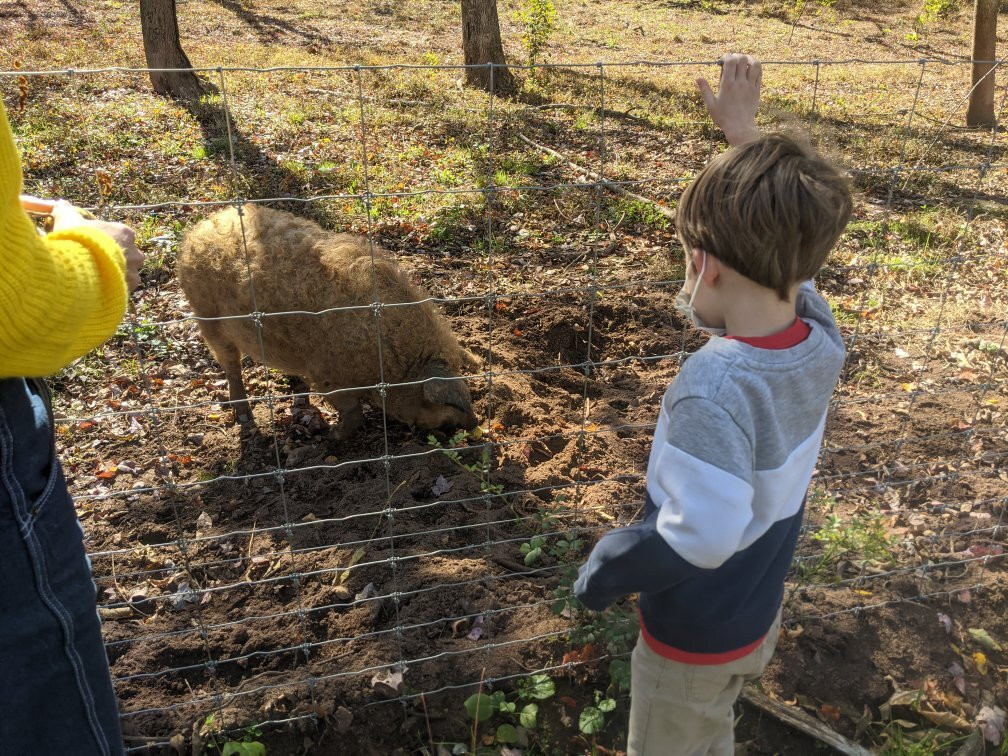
[(981, 101)]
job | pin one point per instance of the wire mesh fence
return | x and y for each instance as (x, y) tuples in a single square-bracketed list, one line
[(272, 576)]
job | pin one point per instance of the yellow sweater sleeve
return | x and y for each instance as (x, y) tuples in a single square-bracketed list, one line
[(61, 295)]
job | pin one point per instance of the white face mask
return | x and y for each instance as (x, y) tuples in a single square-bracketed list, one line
[(684, 304)]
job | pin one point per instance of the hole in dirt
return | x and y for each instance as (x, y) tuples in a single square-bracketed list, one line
[(155, 537), (570, 341), (543, 450), (422, 492)]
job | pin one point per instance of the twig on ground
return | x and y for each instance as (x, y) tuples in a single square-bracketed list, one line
[(615, 188), (430, 734), (800, 720), (626, 114), (508, 564)]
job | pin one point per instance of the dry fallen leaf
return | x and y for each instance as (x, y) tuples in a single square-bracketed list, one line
[(992, 723), (946, 719), (984, 638), (388, 682), (792, 632), (830, 713), (945, 621), (203, 524), (477, 628), (368, 592), (982, 550), (344, 718), (958, 676), (442, 485)]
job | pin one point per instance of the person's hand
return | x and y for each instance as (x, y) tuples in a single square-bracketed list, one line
[(66, 216), (734, 106)]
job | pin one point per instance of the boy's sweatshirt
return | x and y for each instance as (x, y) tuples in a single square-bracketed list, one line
[(734, 450)]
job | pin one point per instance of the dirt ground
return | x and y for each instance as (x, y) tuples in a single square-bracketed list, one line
[(274, 603), (235, 596)]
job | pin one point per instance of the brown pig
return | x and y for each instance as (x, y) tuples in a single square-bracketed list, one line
[(296, 265)]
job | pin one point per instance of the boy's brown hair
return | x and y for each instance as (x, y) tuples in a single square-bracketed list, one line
[(771, 209)]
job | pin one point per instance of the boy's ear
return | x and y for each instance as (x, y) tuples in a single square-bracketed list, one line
[(698, 259), (711, 267)]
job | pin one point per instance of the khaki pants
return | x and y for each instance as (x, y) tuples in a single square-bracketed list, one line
[(686, 709)]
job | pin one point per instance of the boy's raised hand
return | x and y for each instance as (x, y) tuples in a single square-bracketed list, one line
[(733, 108)]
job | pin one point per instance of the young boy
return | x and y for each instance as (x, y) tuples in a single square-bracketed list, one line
[(738, 434)]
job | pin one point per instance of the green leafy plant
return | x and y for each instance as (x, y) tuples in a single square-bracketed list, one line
[(860, 539), (537, 687), (521, 712), (613, 630), (592, 718), (480, 468), (932, 10), (233, 748), (538, 17), (567, 547), (797, 8), (249, 745), (619, 675), (533, 550), (565, 603), (537, 546), (481, 706)]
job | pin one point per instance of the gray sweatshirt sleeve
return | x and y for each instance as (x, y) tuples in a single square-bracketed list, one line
[(699, 510)]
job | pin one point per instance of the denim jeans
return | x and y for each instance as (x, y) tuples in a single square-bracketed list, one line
[(56, 693)]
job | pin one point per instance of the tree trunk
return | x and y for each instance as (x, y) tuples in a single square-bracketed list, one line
[(981, 101), (481, 44), (163, 50)]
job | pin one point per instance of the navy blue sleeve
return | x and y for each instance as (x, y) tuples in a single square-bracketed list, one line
[(614, 566)]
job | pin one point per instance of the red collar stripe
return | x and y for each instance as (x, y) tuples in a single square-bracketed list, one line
[(791, 336)]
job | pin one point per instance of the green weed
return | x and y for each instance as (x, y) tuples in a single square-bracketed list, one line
[(860, 539), (538, 19), (932, 10), (481, 468), (214, 740), (638, 213)]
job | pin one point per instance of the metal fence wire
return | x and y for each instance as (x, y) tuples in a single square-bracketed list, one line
[(272, 586)]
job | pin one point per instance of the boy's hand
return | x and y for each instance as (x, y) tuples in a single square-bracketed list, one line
[(733, 108), (66, 216), (584, 595)]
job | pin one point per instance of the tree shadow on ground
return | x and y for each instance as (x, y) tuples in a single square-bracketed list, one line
[(23, 11), (274, 29), (920, 180), (260, 175)]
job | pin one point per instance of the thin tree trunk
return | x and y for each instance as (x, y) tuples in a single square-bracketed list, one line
[(481, 44), (981, 102), (163, 50)]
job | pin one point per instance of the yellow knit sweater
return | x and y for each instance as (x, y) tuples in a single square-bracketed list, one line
[(60, 296)]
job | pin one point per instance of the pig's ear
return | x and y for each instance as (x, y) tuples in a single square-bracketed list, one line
[(470, 362), (446, 388)]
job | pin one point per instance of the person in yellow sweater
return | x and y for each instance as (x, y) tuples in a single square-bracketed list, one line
[(61, 294)]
